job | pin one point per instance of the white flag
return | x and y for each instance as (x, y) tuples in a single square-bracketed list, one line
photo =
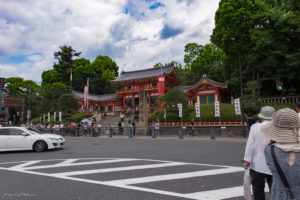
[(217, 109), (60, 116), (197, 107), (48, 117), (180, 109), (237, 106), (165, 114), (54, 116)]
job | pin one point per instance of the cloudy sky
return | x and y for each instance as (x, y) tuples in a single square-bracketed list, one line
[(135, 33)]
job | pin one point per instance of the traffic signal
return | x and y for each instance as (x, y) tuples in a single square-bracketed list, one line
[(279, 85)]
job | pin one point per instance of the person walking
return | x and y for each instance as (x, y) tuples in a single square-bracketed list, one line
[(121, 127), (283, 156), (254, 155), (133, 124), (157, 128)]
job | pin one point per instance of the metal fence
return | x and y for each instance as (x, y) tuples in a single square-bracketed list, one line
[(180, 131)]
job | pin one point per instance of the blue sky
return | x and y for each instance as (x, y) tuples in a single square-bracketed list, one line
[(135, 33)]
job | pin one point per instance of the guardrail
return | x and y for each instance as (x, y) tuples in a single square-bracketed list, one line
[(199, 124), (180, 131)]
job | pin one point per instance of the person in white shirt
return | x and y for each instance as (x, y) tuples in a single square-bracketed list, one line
[(255, 157)]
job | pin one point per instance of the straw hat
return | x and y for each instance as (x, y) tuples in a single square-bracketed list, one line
[(284, 126), (266, 112)]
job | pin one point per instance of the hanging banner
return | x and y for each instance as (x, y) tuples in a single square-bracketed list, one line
[(85, 94), (54, 116), (217, 109), (44, 117), (197, 107), (161, 86), (180, 109), (165, 114), (59, 116), (28, 115), (48, 117), (237, 106)]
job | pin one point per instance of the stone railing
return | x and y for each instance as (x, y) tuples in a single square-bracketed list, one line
[(287, 99)]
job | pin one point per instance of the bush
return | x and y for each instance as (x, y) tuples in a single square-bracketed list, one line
[(207, 114), (79, 116)]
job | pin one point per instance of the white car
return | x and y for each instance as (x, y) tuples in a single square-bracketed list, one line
[(22, 138)]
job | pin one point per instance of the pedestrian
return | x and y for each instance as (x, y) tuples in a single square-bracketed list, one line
[(122, 116), (250, 120), (254, 155), (153, 127), (121, 127), (283, 156), (99, 129), (192, 128), (157, 128), (133, 124), (85, 129)]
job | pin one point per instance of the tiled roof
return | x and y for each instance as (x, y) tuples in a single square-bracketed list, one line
[(204, 78), (146, 73), (104, 97)]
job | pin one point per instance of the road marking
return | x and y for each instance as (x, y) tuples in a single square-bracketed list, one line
[(69, 163), (218, 194), (117, 169), (20, 166), (173, 176)]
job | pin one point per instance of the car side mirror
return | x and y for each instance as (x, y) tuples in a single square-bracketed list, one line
[(25, 134)]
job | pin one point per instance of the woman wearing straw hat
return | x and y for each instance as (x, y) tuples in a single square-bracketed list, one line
[(283, 156)]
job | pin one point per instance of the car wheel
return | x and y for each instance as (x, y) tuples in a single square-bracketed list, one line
[(40, 146)]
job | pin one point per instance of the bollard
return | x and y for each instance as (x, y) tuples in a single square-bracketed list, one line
[(180, 135), (212, 133), (153, 133), (110, 132)]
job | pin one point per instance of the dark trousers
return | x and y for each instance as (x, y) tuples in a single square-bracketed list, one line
[(258, 184)]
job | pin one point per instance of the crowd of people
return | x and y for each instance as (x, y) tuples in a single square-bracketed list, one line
[(272, 154)]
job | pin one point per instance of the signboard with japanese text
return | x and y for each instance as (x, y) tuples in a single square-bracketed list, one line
[(180, 109), (217, 109), (237, 106), (60, 116), (197, 107)]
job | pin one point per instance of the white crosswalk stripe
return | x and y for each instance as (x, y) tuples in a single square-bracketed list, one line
[(30, 167)]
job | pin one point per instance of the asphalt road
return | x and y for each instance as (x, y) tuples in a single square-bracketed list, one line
[(123, 168)]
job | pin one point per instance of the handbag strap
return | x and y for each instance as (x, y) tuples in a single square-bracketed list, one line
[(281, 174)]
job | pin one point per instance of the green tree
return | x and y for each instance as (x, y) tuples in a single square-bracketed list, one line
[(234, 21), (203, 59), (19, 86), (67, 103), (173, 97)]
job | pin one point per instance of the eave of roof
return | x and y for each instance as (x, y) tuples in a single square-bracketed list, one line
[(144, 74), (93, 97), (204, 79)]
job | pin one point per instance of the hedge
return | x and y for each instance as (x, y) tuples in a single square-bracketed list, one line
[(66, 117), (207, 113)]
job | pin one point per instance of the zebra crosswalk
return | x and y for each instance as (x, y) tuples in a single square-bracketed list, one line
[(178, 179)]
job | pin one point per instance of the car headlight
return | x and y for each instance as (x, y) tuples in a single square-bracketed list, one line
[(52, 138)]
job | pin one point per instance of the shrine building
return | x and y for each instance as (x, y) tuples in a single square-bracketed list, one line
[(155, 82)]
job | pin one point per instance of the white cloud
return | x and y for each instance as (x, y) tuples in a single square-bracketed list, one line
[(35, 29)]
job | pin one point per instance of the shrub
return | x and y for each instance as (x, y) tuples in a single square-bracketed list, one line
[(79, 116)]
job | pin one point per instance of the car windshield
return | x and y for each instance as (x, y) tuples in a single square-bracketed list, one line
[(34, 131)]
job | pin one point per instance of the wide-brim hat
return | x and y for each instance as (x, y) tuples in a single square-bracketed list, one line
[(284, 126)]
